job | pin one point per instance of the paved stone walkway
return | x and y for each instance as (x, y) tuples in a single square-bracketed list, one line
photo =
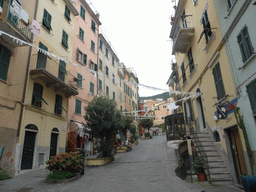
[(148, 167)]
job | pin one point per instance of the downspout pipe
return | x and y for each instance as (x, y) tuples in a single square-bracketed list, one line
[(26, 79)]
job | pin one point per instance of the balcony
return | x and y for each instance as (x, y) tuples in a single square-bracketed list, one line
[(13, 25), (182, 33), (49, 71)]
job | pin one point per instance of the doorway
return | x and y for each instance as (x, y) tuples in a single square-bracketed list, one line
[(237, 153), (54, 142), (29, 147), (200, 109)]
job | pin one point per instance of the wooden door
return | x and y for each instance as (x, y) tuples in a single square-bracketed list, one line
[(28, 150), (238, 154), (53, 146)]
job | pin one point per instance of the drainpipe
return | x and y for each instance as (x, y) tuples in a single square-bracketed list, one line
[(26, 79)]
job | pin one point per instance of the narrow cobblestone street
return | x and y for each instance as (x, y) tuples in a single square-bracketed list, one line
[(148, 167)]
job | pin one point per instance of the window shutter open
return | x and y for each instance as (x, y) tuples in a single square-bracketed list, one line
[(5, 56)]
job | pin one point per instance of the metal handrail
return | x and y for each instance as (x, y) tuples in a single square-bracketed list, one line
[(201, 151)]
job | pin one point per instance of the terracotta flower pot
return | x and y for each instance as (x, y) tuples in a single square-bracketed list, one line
[(201, 177)]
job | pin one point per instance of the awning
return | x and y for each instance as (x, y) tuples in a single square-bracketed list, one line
[(82, 130)]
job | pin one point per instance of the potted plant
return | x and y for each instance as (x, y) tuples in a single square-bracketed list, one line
[(198, 167)]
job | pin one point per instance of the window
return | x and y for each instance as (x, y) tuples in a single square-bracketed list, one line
[(183, 73), (93, 26), (245, 44), (190, 60), (82, 12), (62, 70), (81, 33), (101, 45), (100, 85), (5, 56), (58, 105), (65, 39), (100, 61), (113, 78), (93, 66), (107, 70), (121, 96), (251, 91), (78, 106), (120, 82), (81, 57), (80, 80), (41, 59), (91, 88), (188, 110), (67, 13), (92, 46), (207, 27), (114, 95), (37, 97), (106, 53), (184, 20), (107, 91), (230, 3), (113, 61), (47, 18), (218, 81), (164, 106)]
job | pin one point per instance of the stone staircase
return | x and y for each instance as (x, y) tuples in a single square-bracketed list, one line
[(216, 171)]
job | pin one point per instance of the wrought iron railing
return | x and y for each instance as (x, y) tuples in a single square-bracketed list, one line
[(201, 150), (15, 20)]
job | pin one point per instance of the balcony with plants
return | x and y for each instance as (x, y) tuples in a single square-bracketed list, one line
[(14, 23)]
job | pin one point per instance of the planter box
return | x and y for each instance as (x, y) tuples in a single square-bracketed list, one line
[(93, 162)]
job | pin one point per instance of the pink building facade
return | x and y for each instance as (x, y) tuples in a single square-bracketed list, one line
[(85, 78)]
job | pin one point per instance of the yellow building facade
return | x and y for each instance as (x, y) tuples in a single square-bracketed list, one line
[(208, 92), (44, 120)]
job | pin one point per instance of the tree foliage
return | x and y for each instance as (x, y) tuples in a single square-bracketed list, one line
[(103, 118), (147, 123)]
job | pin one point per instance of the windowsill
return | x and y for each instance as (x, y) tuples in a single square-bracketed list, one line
[(81, 39), (213, 37), (192, 72), (68, 20), (49, 31), (94, 31), (91, 93), (3, 81), (230, 10), (247, 61), (66, 48), (78, 114)]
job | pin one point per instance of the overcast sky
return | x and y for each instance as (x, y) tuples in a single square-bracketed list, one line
[(138, 31)]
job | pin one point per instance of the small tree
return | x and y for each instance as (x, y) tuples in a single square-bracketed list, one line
[(127, 124), (133, 132), (104, 120), (147, 123)]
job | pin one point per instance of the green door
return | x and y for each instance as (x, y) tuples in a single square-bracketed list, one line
[(53, 147), (28, 150)]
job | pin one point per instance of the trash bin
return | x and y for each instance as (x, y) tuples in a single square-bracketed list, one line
[(249, 183)]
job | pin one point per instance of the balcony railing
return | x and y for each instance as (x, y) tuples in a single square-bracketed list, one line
[(20, 28), (49, 70), (183, 33)]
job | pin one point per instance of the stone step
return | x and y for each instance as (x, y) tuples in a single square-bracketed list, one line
[(217, 166), (224, 181), (216, 171)]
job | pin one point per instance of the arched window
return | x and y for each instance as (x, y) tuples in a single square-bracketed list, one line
[(216, 136), (31, 127), (55, 130)]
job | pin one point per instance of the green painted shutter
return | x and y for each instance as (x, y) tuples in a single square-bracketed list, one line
[(251, 91), (185, 109), (47, 18), (218, 82), (80, 79), (42, 58), (65, 39), (95, 67), (82, 12), (62, 70), (190, 109), (5, 56), (92, 88), (78, 106), (67, 13), (84, 59)]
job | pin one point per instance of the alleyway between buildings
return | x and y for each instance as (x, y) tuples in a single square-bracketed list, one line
[(148, 167)]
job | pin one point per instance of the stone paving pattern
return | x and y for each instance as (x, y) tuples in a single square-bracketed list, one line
[(148, 167)]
